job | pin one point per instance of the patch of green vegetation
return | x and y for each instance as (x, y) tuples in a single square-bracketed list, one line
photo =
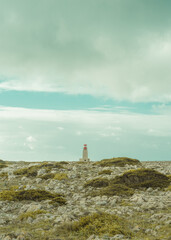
[(32, 214), (4, 175), (33, 195), (3, 165), (32, 171), (169, 176), (99, 224), (118, 162), (168, 188), (28, 172), (142, 178), (63, 162), (97, 182), (47, 176), (107, 172), (61, 176), (117, 189)]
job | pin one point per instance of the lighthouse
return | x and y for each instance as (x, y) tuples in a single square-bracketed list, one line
[(85, 154)]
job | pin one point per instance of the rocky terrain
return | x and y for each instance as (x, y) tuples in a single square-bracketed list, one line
[(141, 213)]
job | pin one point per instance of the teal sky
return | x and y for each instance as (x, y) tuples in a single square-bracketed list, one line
[(75, 72)]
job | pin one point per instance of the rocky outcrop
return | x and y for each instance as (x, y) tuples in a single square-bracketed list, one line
[(145, 210)]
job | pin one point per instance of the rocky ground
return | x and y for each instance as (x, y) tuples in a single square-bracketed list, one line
[(147, 211)]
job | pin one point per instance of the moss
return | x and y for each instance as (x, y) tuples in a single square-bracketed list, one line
[(142, 178), (3, 165), (97, 182), (98, 224), (58, 200), (107, 172), (32, 214), (33, 195), (63, 162), (169, 176), (60, 176), (4, 175), (118, 162), (117, 189), (47, 176), (28, 172), (168, 188)]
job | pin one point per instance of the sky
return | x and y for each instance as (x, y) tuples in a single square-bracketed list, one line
[(95, 72)]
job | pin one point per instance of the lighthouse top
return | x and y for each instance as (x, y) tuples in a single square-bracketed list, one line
[(85, 154)]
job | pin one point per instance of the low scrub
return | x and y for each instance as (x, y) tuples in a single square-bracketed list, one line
[(47, 176), (118, 162), (32, 171), (98, 224), (33, 195), (61, 176), (142, 178), (4, 175), (117, 189), (3, 165), (107, 172), (31, 214), (97, 183)]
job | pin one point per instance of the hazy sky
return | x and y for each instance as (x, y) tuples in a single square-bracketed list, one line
[(75, 72)]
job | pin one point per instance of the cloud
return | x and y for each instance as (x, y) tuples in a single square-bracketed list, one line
[(29, 134), (105, 48)]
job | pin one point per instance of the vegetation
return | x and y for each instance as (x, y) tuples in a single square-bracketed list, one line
[(3, 165), (33, 195), (3, 175), (32, 171), (97, 182), (47, 176), (142, 178), (98, 224), (107, 172), (31, 214), (116, 189), (28, 172), (61, 176), (118, 162)]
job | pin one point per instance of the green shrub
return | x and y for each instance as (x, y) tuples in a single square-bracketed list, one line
[(32, 214), (107, 172), (28, 172), (60, 176), (3, 165), (142, 178), (97, 182), (33, 195), (117, 189), (47, 176), (98, 224), (118, 162), (4, 175)]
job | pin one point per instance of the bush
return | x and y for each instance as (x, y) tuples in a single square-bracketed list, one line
[(97, 182), (107, 172), (118, 162), (60, 176), (47, 176), (32, 214), (28, 172), (3, 165), (98, 224), (142, 178), (116, 189), (33, 195), (4, 175)]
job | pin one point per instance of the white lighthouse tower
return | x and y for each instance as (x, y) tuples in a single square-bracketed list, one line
[(85, 154)]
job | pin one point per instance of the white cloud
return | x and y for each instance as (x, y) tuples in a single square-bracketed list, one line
[(106, 51), (107, 134)]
